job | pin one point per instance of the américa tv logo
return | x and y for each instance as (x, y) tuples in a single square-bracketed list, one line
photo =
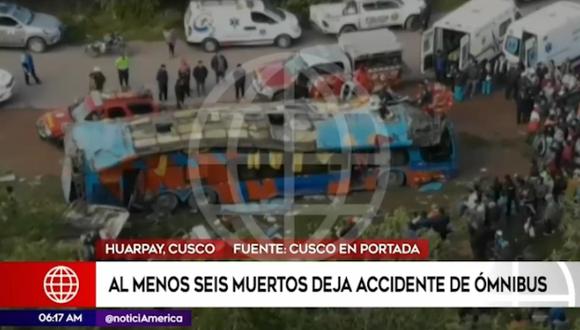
[(61, 284)]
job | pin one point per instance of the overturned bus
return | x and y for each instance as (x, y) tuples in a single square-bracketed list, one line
[(235, 154)]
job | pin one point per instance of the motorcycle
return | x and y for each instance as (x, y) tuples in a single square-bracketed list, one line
[(112, 43)]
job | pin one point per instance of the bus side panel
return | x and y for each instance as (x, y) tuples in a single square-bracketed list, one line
[(316, 184), (256, 190), (97, 192), (340, 185)]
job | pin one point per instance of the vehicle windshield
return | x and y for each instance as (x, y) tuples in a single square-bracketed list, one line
[(79, 111), (22, 14), (276, 12), (512, 45), (295, 65)]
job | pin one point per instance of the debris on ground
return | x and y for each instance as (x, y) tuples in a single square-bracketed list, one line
[(431, 187), (10, 177)]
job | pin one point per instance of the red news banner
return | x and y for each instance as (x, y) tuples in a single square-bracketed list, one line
[(262, 250)]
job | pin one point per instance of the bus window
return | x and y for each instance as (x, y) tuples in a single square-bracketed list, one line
[(267, 171), (438, 153), (245, 173), (313, 169)]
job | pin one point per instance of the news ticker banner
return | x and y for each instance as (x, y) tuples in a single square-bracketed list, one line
[(262, 250), (193, 284), (99, 318)]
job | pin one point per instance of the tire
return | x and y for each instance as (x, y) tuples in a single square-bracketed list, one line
[(284, 41), (347, 29), (165, 203), (413, 23), (210, 45), (36, 44), (396, 179)]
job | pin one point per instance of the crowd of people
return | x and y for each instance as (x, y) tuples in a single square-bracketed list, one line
[(183, 82)]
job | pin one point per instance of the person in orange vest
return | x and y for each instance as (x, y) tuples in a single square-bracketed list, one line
[(442, 100)]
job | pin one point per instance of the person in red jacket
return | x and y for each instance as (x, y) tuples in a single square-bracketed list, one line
[(363, 79)]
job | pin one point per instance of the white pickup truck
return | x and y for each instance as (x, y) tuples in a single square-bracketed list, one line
[(351, 15)]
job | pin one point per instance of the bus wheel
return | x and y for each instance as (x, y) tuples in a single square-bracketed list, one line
[(165, 203), (396, 179)]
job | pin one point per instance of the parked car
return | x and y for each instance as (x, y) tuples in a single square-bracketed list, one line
[(7, 84), (52, 125), (325, 68), (215, 24), (352, 15), (21, 27)]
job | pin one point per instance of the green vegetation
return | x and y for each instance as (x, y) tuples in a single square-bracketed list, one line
[(134, 19), (32, 226), (33, 229)]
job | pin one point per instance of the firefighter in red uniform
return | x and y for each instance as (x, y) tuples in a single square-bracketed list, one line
[(363, 79), (442, 100)]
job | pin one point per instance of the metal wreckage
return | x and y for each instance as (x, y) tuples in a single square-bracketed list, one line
[(246, 153)]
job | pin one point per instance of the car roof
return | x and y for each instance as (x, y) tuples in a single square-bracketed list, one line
[(475, 14), (549, 18), (369, 42), (95, 100), (323, 54)]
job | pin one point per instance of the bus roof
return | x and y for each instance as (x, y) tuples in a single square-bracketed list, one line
[(549, 18), (474, 15), (324, 127)]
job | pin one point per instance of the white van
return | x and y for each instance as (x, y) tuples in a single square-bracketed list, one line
[(550, 33), (474, 30), (215, 23), (352, 15)]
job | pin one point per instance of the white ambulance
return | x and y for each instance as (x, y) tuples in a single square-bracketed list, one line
[(218, 23), (473, 31), (549, 34), (352, 15)]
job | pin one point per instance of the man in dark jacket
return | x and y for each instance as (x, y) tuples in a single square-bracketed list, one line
[(180, 92), (162, 82), (200, 74), (219, 65), (29, 68), (240, 81), (97, 80)]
